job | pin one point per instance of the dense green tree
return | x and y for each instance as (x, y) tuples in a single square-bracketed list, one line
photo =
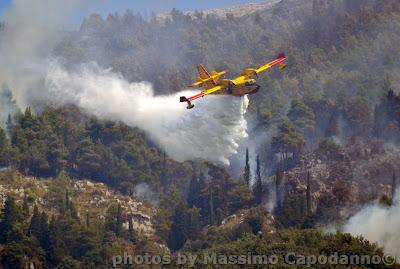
[(247, 173), (258, 186), (278, 186), (211, 208), (72, 210), (194, 225), (87, 222), (288, 140), (69, 263), (179, 228), (193, 193), (67, 200), (10, 215), (333, 126), (293, 212), (133, 236), (114, 218), (9, 125), (301, 115), (44, 232), (25, 206), (3, 140), (34, 226), (163, 176), (119, 221)]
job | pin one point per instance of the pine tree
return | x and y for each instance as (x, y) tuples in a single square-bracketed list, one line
[(178, 233), (34, 227), (247, 173), (309, 198), (258, 187)]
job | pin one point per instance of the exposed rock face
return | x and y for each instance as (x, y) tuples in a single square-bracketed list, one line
[(365, 168), (235, 11), (87, 196)]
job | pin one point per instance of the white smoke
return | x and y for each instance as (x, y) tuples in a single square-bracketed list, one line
[(211, 131), (379, 224)]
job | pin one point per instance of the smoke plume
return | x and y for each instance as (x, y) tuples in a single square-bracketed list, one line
[(211, 131), (378, 224)]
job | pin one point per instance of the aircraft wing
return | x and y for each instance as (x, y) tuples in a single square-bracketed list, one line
[(202, 94), (213, 89), (251, 72), (281, 58)]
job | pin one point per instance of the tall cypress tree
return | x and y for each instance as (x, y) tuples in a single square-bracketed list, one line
[(247, 173), (212, 209), (34, 226), (309, 198), (193, 193), (73, 211), (178, 233), (66, 202), (10, 216), (118, 226), (258, 187), (194, 223), (133, 237), (9, 125), (163, 176), (278, 185), (25, 207), (87, 219), (44, 232)]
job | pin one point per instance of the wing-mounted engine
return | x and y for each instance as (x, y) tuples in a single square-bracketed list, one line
[(249, 72)]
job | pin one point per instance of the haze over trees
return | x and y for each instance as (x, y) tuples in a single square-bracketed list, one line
[(339, 91)]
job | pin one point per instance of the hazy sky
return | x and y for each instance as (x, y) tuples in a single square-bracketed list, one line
[(145, 7)]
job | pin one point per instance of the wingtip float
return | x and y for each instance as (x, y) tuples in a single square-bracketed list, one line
[(244, 84)]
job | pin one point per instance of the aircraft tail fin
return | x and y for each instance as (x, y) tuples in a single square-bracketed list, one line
[(205, 79), (205, 76)]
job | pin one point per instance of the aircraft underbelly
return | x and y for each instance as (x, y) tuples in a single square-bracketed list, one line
[(239, 91)]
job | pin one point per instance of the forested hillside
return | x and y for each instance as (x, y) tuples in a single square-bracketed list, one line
[(328, 130)]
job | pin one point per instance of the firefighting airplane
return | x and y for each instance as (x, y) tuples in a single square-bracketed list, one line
[(244, 84)]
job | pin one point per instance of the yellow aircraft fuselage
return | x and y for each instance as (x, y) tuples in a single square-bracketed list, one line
[(244, 84), (248, 86)]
